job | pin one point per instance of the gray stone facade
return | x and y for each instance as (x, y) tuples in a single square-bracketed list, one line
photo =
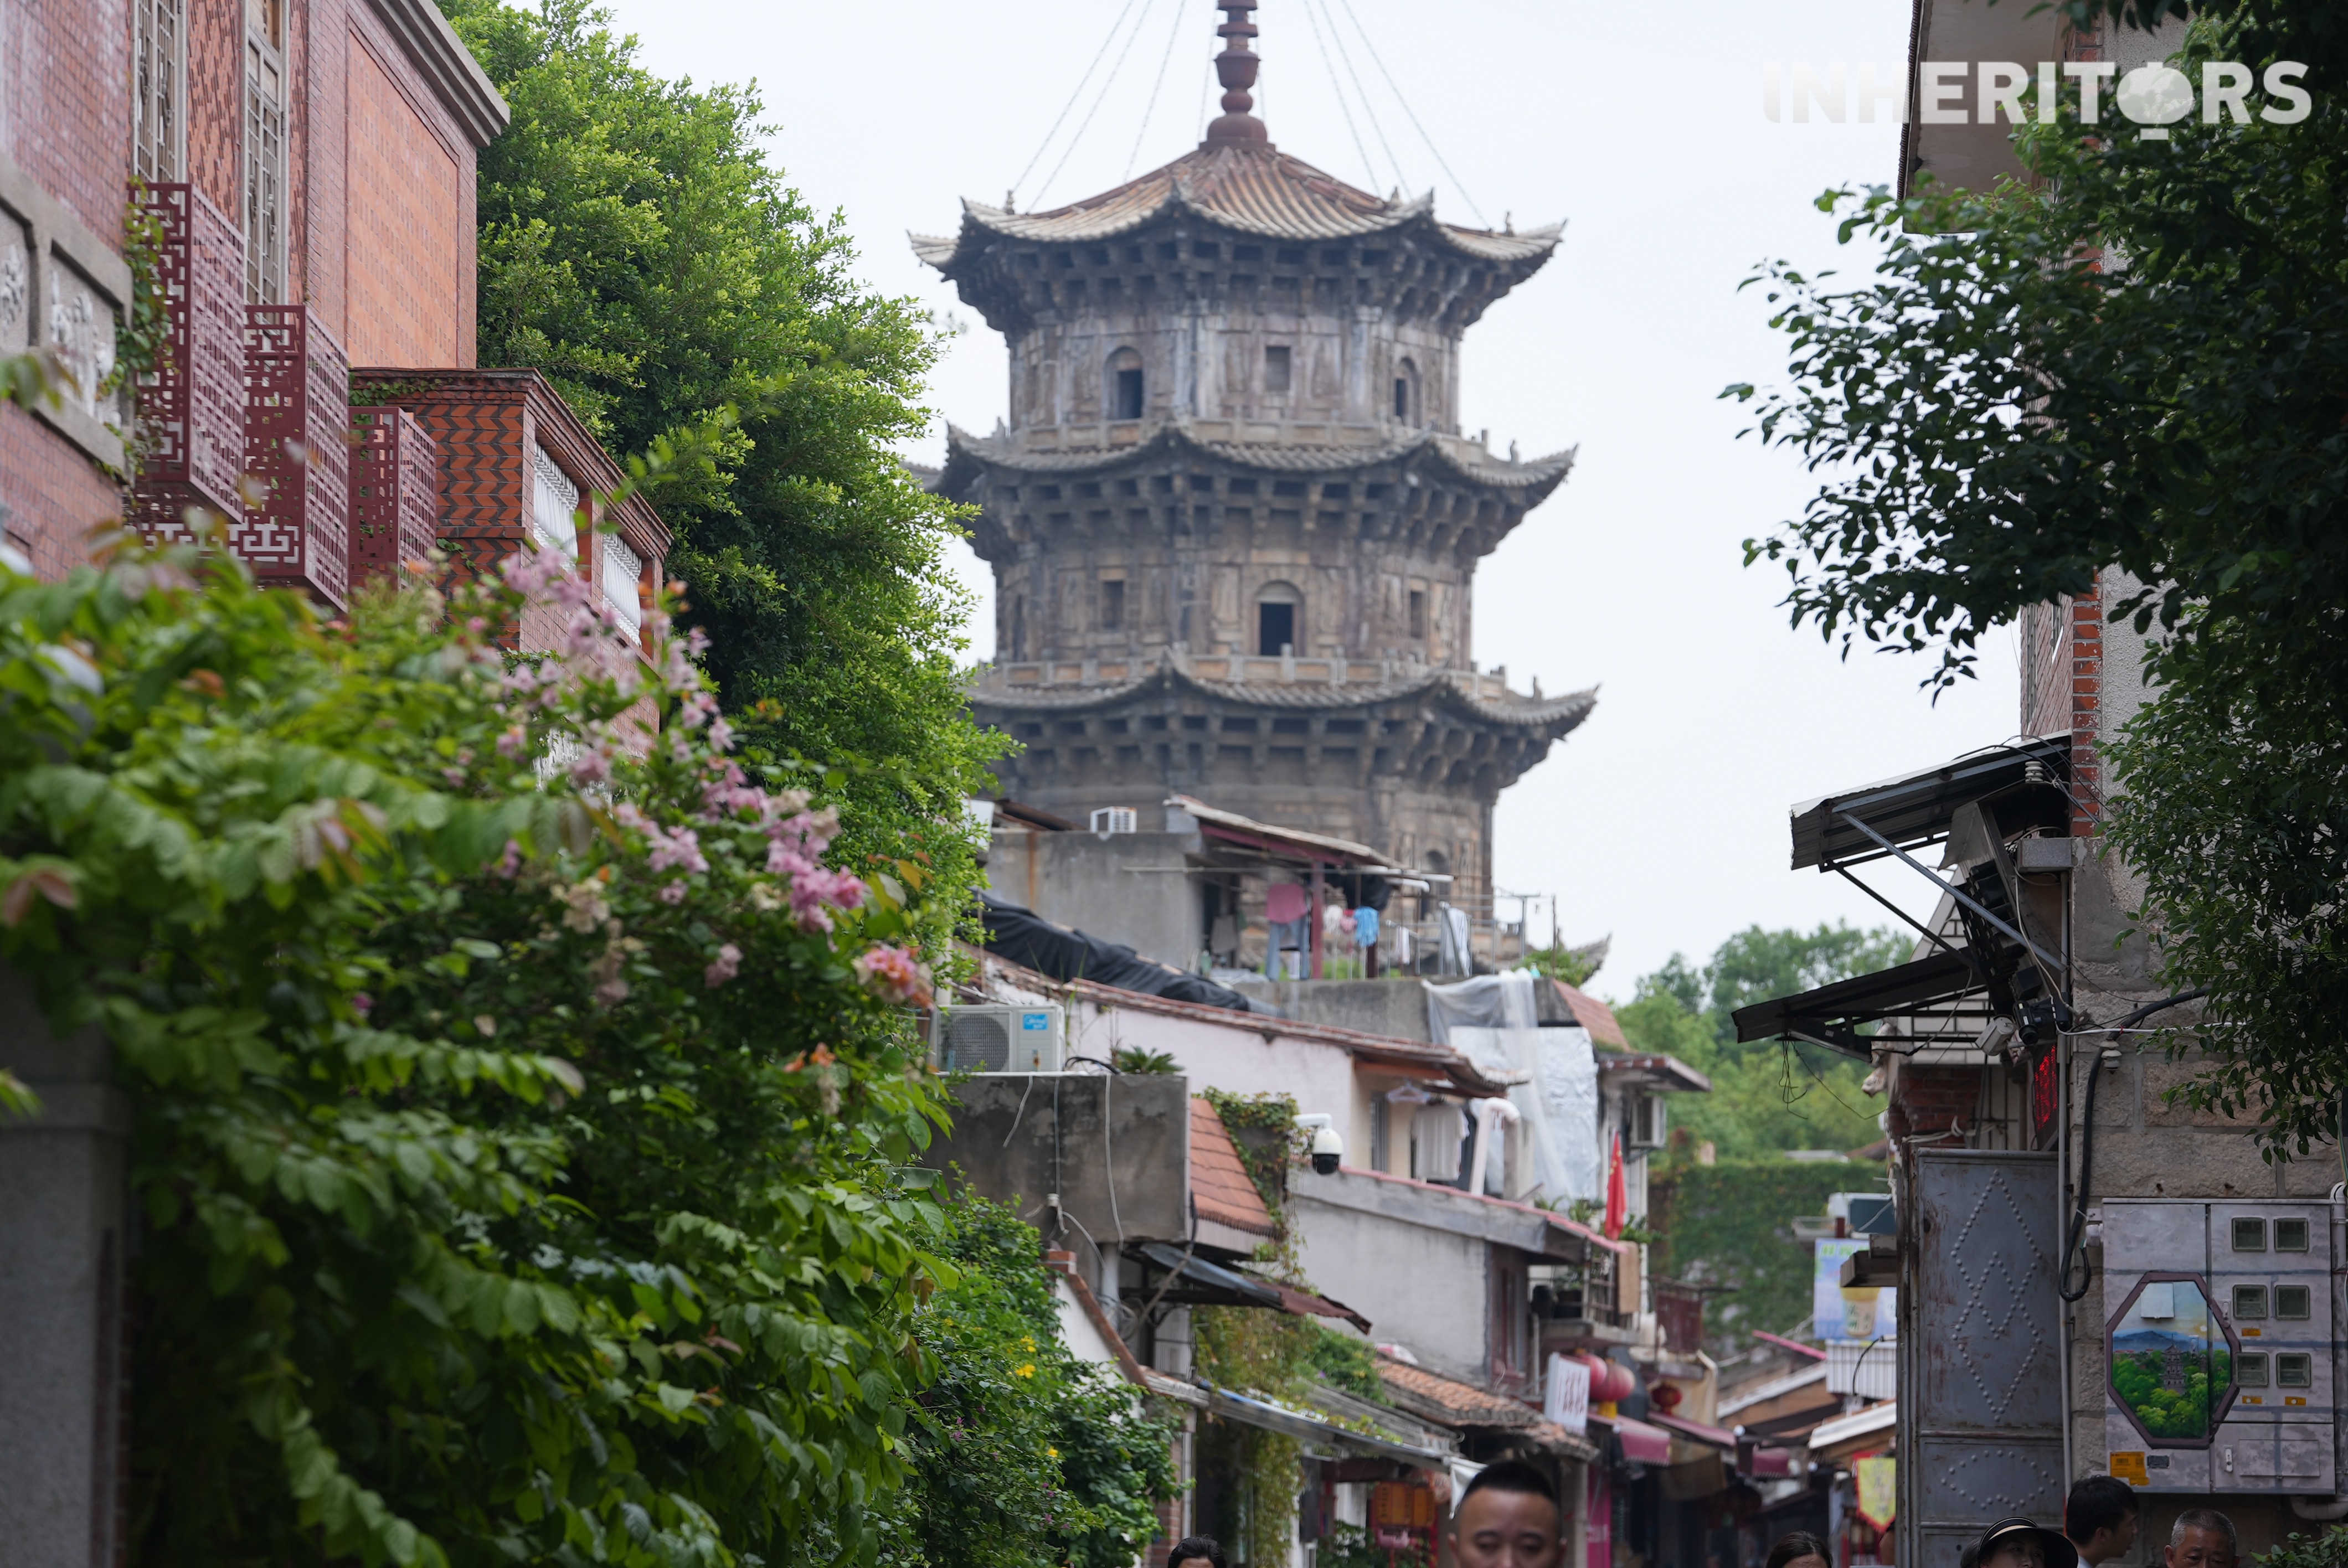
[(1233, 526)]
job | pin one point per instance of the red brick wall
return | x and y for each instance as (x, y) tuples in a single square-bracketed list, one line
[(407, 275), (65, 68), (1927, 1101), (215, 103), (55, 495), (2086, 710)]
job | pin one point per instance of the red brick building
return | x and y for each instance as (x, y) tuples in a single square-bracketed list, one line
[(310, 165)]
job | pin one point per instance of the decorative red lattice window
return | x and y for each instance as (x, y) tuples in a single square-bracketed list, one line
[(192, 407), (297, 527), (394, 491)]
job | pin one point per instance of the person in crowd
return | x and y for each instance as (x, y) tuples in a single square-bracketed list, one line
[(1800, 1549), (1198, 1550), (1508, 1517), (2019, 1543), (2203, 1538), (2100, 1517)]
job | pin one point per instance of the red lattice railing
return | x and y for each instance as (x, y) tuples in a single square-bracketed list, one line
[(192, 407), (296, 529), (394, 491)]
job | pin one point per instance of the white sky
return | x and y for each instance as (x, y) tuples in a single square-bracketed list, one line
[(1662, 820)]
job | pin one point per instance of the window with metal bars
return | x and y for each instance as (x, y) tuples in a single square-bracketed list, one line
[(158, 34), (264, 151)]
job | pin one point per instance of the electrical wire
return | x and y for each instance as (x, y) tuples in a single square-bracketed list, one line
[(1100, 97), (1073, 95), (1338, 88), (1379, 61), (2074, 1244), (1171, 34), (1369, 108)]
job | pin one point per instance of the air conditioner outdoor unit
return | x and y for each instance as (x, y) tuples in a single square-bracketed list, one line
[(1113, 819), (997, 1038)]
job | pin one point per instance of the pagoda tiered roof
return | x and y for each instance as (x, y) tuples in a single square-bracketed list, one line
[(1462, 458), (1249, 190)]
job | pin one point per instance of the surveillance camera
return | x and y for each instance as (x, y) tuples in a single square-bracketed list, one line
[(1328, 1149)]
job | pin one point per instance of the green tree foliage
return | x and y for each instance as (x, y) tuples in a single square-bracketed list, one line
[(2133, 363), (2326, 1549), (516, 1149), (1769, 1095), (1022, 1453), (637, 247), (1731, 1223), (2169, 1412)]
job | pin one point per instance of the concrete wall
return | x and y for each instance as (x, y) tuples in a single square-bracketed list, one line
[(1396, 1009), (1130, 888), (64, 1208), (1017, 1138), (1421, 1287)]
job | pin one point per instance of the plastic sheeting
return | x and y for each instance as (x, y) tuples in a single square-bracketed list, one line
[(1489, 1001), (1025, 937), (1559, 1102)]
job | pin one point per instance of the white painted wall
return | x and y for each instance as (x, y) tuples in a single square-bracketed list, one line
[(1421, 1287)]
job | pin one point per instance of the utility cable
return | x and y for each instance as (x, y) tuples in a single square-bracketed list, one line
[(2074, 1244), (1100, 97), (1171, 34), (1379, 61), (1369, 108), (1073, 95), (1338, 88)]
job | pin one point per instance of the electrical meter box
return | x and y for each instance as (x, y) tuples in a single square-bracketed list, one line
[(995, 1037), (2220, 1344)]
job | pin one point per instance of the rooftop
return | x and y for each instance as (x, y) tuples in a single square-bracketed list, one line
[(1251, 189)]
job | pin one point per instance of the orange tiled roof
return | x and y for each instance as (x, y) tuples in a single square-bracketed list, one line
[(1219, 1183), (1462, 1404), (1592, 1015)]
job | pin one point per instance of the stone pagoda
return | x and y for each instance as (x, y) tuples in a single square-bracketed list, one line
[(1233, 524)]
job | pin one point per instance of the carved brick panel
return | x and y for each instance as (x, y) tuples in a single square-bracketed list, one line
[(394, 491), (296, 529), (192, 404)]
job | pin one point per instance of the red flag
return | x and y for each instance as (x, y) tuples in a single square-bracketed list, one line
[(1618, 1194)]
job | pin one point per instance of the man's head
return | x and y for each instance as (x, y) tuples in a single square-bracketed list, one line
[(2019, 1543), (2203, 1538), (1197, 1551), (1800, 1549), (1508, 1517), (2100, 1517)]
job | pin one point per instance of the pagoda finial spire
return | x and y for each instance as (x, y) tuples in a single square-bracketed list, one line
[(1235, 67)]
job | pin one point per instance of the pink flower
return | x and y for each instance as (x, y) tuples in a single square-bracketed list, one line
[(362, 1003), (723, 967), (512, 743), (721, 735), (592, 766), (895, 975), (612, 993), (672, 892), (509, 863), (697, 709)]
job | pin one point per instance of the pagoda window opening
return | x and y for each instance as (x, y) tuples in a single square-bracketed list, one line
[(1279, 620), (1125, 384), (1278, 365), (1418, 614), (1405, 392), (1018, 628), (1112, 604)]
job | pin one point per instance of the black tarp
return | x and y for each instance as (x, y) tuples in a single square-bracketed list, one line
[(1025, 937)]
